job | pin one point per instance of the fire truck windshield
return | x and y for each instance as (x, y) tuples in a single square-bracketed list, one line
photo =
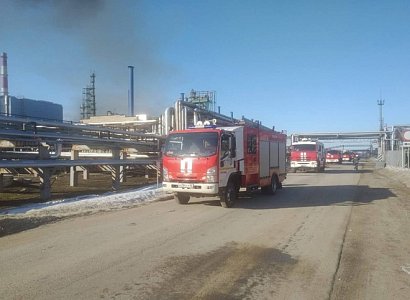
[(191, 144), (304, 147)]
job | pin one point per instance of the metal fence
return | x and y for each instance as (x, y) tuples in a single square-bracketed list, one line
[(394, 158), (398, 158)]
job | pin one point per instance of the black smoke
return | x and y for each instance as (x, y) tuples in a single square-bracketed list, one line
[(69, 39)]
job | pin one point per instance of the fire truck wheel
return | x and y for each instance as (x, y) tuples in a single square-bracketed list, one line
[(228, 196), (318, 168), (273, 187), (182, 198)]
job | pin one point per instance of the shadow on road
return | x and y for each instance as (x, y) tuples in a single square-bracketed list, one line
[(307, 196), (347, 171)]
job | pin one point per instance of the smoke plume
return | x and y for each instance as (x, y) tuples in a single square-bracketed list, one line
[(69, 39)]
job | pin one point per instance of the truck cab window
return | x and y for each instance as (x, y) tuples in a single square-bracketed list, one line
[(225, 143), (185, 144)]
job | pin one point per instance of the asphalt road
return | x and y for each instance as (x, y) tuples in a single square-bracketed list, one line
[(334, 235)]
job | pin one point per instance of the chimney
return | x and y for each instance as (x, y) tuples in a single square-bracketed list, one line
[(4, 89), (131, 93), (4, 84)]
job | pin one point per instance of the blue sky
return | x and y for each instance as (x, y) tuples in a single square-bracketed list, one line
[(303, 66)]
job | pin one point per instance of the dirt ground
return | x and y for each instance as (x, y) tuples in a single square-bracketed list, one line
[(341, 234), (24, 191), (376, 251)]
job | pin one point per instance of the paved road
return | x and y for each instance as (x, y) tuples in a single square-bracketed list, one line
[(333, 235)]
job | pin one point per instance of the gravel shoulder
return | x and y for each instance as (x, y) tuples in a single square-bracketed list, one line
[(375, 258)]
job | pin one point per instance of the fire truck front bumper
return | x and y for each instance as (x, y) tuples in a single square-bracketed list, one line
[(303, 164), (191, 188), (332, 160)]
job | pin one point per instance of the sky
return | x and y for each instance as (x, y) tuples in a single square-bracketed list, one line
[(301, 66)]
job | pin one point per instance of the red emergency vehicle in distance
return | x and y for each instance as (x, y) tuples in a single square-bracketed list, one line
[(218, 161), (348, 156), (334, 156), (307, 155)]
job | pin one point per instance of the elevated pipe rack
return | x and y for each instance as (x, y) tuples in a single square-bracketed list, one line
[(45, 135)]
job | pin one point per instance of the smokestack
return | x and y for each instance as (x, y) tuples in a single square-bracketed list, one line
[(4, 83), (4, 91), (131, 93)]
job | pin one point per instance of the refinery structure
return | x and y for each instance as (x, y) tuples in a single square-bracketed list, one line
[(186, 111), (25, 107), (88, 107), (36, 142)]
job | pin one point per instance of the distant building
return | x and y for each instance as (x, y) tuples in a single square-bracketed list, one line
[(139, 122), (39, 109)]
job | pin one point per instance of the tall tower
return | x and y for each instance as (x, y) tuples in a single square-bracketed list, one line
[(4, 84), (88, 107), (380, 103), (131, 92)]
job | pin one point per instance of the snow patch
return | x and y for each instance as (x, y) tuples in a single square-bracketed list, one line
[(87, 204), (406, 268)]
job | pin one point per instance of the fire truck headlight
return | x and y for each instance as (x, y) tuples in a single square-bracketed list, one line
[(211, 175), (165, 174)]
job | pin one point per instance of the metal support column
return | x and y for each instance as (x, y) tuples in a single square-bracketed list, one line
[(86, 173), (402, 156), (45, 173), (115, 171), (73, 172), (45, 183), (123, 177)]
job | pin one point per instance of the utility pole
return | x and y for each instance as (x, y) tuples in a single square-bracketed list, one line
[(380, 103)]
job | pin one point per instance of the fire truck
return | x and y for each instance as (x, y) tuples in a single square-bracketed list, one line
[(307, 155), (334, 156), (217, 161)]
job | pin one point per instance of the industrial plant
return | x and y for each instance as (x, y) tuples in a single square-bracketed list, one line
[(25, 107), (36, 142)]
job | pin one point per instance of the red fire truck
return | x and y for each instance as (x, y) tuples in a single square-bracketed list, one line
[(307, 155), (218, 161), (334, 156)]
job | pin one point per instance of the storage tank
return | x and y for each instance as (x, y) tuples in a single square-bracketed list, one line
[(45, 110)]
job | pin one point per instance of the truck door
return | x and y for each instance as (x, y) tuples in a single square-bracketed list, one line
[(227, 158), (251, 158)]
